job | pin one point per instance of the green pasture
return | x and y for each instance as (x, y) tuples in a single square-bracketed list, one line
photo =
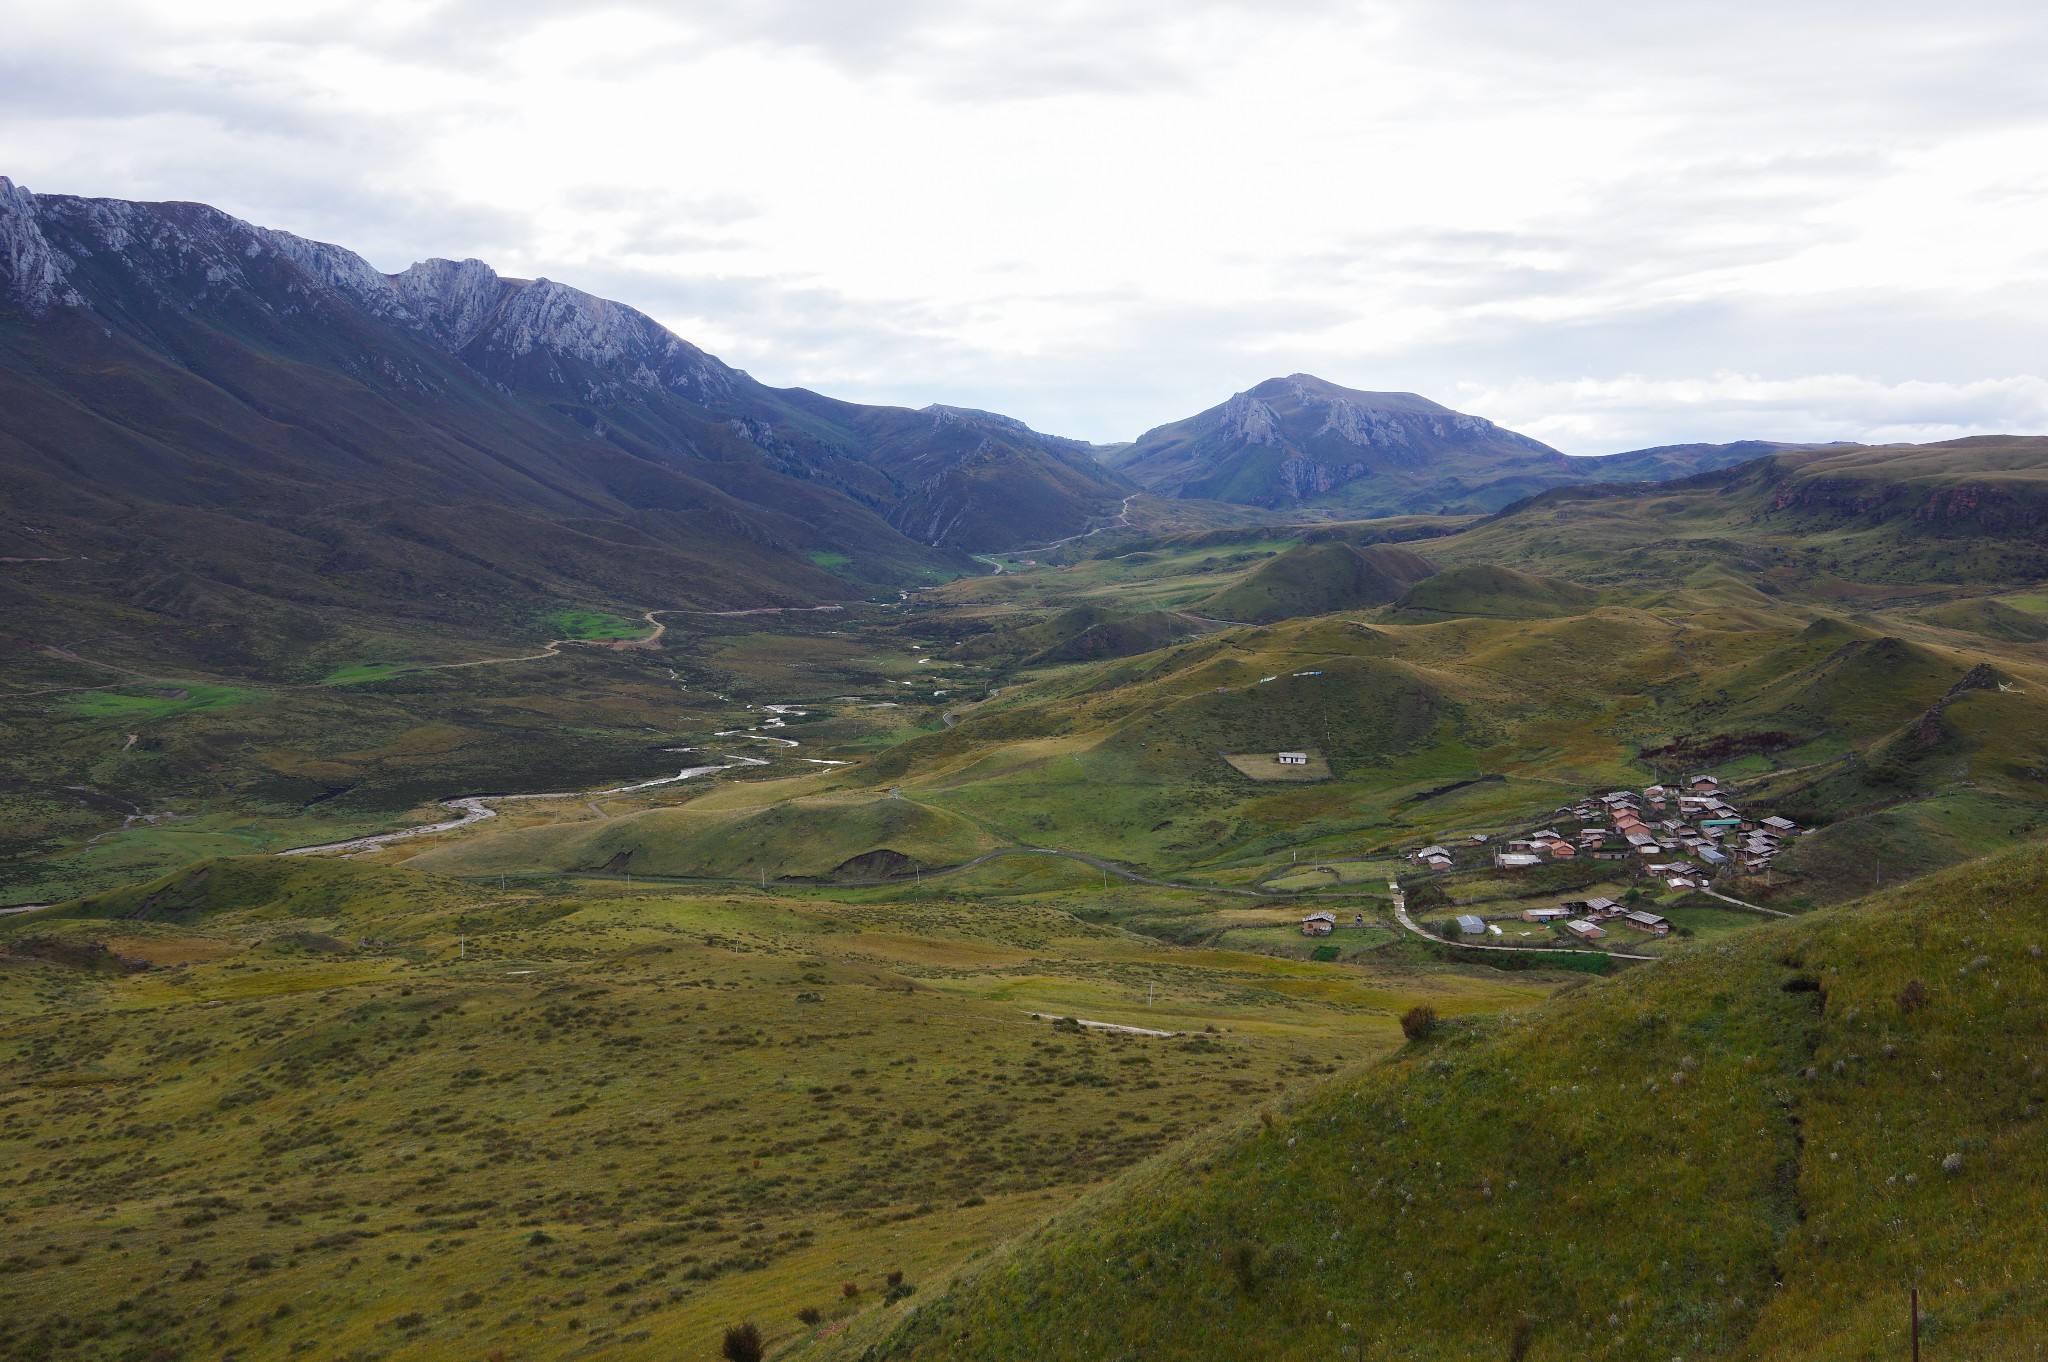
[(592, 626), (146, 701)]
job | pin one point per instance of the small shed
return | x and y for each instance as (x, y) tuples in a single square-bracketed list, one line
[(1584, 930), (1470, 925), (1644, 921), (1545, 914), (1292, 758), (1319, 923)]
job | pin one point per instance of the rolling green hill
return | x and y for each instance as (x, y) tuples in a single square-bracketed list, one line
[(1318, 579), (862, 837), (1751, 1150), (1491, 592), (1085, 633)]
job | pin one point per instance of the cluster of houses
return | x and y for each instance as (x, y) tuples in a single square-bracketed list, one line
[(1684, 834), (1587, 919)]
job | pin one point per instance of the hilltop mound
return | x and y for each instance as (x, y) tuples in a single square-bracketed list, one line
[(1750, 1150), (1491, 592), (1316, 579), (1990, 619), (1119, 636), (1085, 633), (870, 837), (1350, 708)]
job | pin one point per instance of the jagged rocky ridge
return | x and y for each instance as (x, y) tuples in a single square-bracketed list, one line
[(943, 476)]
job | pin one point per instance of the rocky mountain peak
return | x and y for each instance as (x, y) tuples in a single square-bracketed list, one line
[(451, 299), (32, 273)]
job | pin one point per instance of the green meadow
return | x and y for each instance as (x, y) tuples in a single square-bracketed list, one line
[(283, 1108)]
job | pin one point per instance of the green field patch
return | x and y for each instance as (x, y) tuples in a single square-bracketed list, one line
[(147, 700), (355, 672), (592, 626), (825, 558), (1268, 766)]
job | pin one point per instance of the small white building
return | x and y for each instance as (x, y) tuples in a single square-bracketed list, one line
[(1293, 758)]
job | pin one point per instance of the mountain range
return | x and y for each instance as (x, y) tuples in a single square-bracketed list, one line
[(170, 355), (1302, 441), (252, 433)]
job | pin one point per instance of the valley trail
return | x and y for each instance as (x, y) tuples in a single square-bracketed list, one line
[(476, 808)]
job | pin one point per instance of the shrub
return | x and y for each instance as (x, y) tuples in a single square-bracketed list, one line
[(1520, 1337), (742, 1344), (1418, 1021), (1243, 1260), (896, 1278), (849, 1289), (1912, 997), (810, 1315)]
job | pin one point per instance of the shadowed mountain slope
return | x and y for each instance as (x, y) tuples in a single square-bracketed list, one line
[(192, 405)]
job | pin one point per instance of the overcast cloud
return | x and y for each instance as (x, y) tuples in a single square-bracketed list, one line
[(1607, 224)]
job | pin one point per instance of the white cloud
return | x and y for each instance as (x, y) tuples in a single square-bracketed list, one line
[(1103, 214), (1585, 416)]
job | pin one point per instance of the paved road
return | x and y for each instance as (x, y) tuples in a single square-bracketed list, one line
[(1401, 915), (952, 716), (1123, 518)]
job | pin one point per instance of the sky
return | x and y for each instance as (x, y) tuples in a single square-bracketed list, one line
[(1605, 223)]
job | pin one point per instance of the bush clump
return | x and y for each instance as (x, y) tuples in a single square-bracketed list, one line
[(742, 1344), (1418, 1022)]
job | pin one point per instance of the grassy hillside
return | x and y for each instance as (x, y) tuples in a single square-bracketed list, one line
[(860, 836), (280, 1109), (1491, 592), (1750, 1150), (1318, 579)]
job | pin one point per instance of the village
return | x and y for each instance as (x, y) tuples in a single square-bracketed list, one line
[(1676, 838)]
